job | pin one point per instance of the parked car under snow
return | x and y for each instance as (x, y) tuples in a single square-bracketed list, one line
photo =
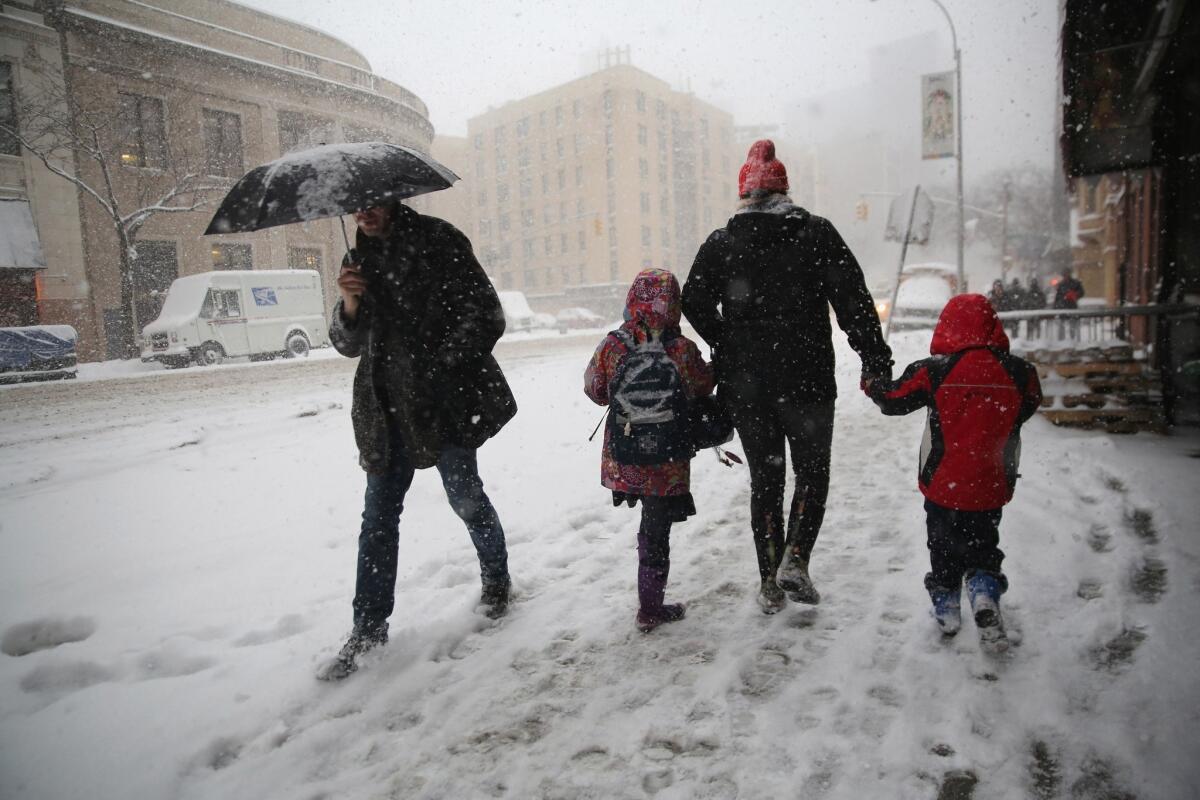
[(37, 353)]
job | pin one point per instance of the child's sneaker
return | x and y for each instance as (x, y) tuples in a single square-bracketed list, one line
[(771, 598), (947, 609), (668, 612), (984, 589), (793, 578)]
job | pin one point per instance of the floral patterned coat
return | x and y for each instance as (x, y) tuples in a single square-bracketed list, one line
[(653, 304)]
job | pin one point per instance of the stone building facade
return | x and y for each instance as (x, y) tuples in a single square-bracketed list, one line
[(210, 87)]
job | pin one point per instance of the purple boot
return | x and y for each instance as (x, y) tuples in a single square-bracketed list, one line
[(653, 567)]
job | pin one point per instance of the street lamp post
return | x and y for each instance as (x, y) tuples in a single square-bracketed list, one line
[(958, 149)]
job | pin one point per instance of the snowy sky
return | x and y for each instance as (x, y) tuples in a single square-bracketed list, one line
[(462, 56)]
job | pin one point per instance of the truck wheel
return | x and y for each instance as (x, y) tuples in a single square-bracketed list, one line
[(210, 353), (296, 346)]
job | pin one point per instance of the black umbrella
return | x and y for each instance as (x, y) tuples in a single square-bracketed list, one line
[(327, 181)]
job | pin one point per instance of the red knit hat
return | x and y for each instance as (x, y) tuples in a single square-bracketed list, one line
[(762, 170)]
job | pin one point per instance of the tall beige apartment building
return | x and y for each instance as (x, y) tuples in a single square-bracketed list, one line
[(576, 189)]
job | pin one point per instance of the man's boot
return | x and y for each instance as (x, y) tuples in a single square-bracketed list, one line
[(494, 598), (793, 578), (345, 663)]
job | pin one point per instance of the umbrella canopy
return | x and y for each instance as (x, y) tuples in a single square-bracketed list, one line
[(327, 181)]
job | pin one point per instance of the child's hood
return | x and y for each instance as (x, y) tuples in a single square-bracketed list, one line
[(654, 300), (967, 321)]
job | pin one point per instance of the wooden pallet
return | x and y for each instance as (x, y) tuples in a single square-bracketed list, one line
[(1091, 369), (1114, 420)]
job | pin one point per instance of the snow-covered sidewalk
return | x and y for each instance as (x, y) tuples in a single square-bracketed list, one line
[(171, 577)]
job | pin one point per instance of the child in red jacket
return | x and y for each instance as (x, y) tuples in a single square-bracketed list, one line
[(661, 484), (978, 396)]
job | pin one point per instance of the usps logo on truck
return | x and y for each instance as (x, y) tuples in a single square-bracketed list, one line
[(264, 296)]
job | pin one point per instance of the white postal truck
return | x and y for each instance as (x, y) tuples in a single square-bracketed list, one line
[(211, 316)]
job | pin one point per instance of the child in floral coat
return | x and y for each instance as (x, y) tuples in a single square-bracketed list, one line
[(652, 309)]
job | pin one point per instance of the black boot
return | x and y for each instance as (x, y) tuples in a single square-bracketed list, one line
[(346, 662), (494, 599)]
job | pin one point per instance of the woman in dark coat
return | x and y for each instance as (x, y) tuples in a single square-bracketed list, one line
[(759, 293)]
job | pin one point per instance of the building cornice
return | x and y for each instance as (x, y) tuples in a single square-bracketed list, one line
[(80, 19)]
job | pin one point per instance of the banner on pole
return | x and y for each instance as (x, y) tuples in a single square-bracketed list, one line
[(937, 115)]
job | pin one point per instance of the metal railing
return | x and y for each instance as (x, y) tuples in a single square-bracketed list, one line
[(1134, 327)]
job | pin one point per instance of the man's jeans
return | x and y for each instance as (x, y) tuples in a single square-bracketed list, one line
[(375, 590)]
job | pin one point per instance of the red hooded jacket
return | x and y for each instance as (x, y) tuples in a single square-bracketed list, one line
[(978, 396)]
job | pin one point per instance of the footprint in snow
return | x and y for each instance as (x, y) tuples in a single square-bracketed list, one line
[(45, 633), (287, 626)]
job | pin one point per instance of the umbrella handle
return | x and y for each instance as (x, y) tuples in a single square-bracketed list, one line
[(345, 236)]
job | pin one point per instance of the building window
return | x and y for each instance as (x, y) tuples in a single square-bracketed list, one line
[(526, 187), (578, 143), (501, 165), (546, 215), (666, 237), (641, 101), (506, 280), (298, 131), (612, 270), (527, 217), (143, 131), (522, 127), (523, 157), (663, 205), (642, 134), (646, 236), (504, 226), (304, 258), (232, 256), (576, 109), (498, 135), (643, 168), (304, 61), (558, 115), (223, 143), (541, 119), (547, 245), (660, 109), (9, 145), (562, 179), (645, 202), (562, 151), (482, 199), (479, 141), (528, 248), (485, 227), (608, 102), (582, 239), (531, 278), (566, 274), (545, 184), (610, 169), (562, 243), (562, 212), (579, 176)]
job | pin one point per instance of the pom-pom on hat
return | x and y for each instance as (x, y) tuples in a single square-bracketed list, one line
[(762, 170)]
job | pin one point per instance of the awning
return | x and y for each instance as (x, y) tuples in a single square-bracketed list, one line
[(20, 247)]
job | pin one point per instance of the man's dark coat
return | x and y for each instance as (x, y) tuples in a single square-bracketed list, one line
[(424, 333), (759, 293)]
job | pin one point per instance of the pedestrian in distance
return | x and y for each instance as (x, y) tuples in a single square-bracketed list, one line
[(1035, 300), (646, 372), (420, 314), (1067, 294), (998, 295), (977, 397), (759, 293)]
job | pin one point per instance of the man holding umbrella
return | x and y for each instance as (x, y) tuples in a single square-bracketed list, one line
[(421, 316), (420, 313)]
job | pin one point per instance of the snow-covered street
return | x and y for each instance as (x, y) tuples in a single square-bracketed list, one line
[(178, 557)]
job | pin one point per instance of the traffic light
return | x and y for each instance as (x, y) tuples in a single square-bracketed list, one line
[(861, 209)]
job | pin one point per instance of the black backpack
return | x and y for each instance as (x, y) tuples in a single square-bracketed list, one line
[(648, 417)]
